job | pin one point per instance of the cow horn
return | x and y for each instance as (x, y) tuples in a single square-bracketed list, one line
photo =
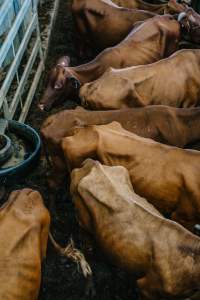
[(181, 16)]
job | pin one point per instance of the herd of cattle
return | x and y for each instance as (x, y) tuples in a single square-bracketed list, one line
[(135, 179)]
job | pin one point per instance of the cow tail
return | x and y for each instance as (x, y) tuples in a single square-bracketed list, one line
[(73, 254)]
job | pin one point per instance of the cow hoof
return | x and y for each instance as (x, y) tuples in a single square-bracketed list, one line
[(197, 229)]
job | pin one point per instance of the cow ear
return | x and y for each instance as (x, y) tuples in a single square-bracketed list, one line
[(64, 61), (58, 85)]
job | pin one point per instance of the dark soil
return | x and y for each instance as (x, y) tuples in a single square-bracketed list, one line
[(61, 278)]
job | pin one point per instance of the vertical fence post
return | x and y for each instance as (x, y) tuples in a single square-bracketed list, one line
[(23, 26)]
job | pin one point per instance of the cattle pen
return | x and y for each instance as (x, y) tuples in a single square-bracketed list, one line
[(54, 33)]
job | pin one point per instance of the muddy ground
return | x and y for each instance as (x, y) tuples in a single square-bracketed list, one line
[(61, 278)]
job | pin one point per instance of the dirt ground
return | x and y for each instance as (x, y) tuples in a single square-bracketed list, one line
[(61, 278)]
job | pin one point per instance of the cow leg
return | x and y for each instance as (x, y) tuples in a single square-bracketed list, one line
[(81, 46), (82, 43), (79, 37)]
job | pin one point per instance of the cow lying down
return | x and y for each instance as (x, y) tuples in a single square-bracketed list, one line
[(153, 40), (162, 255), (168, 125), (166, 176), (173, 81), (23, 240)]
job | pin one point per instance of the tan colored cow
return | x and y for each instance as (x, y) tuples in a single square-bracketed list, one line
[(166, 176), (173, 81), (24, 228), (162, 255), (153, 40), (174, 126)]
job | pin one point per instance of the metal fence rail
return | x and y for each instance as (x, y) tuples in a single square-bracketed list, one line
[(24, 28)]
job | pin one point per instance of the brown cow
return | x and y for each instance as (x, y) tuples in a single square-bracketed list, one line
[(166, 176), (174, 126), (103, 23), (162, 256), (156, 38), (23, 240), (189, 18), (173, 81)]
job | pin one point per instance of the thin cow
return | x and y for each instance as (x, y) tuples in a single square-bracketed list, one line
[(153, 40), (160, 254), (168, 125), (103, 24), (23, 241), (173, 81), (166, 176)]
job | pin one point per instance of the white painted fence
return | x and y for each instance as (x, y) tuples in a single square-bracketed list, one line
[(20, 51)]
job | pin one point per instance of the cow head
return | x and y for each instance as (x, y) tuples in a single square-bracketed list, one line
[(90, 178), (80, 145), (61, 84), (107, 92), (190, 23)]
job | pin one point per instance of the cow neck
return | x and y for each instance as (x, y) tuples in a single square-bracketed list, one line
[(106, 149), (87, 72), (150, 51)]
